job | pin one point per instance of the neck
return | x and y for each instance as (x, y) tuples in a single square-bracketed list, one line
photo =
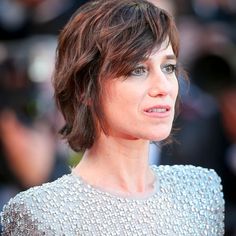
[(118, 165)]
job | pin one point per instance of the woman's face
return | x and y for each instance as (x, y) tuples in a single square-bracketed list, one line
[(142, 105)]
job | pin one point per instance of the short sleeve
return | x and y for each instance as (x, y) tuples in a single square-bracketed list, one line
[(16, 220), (197, 194)]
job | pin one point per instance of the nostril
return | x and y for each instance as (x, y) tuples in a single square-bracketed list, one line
[(154, 92)]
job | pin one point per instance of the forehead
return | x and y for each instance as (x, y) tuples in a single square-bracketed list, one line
[(165, 50)]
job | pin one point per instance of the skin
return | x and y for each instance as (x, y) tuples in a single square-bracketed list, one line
[(118, 162)]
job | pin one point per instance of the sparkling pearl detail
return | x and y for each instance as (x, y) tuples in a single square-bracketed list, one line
[(187, 202)]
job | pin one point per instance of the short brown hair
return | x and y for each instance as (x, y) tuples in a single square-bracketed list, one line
[(103, 39)]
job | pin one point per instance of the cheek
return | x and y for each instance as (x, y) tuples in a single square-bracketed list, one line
[(117, 99), (126, 94), (175, 89), (175, 97)]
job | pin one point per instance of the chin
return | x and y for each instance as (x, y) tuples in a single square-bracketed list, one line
[(159, 139), (160, 135)]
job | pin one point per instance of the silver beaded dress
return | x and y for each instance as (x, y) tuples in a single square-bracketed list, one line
[(187, 201)]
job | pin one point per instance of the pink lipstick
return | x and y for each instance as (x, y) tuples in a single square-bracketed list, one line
[(158, 111)]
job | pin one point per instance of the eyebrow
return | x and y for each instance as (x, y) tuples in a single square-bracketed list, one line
[(171, 57)]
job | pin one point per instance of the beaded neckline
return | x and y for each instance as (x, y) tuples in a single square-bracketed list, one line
[(189, 202), (111, 194)]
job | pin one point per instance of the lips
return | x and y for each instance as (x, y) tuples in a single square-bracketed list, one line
[(158, 111)]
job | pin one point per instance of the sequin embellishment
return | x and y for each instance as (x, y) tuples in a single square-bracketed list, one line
[(188, 201)]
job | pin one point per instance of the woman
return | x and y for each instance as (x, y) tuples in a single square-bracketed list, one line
[(116, 85)]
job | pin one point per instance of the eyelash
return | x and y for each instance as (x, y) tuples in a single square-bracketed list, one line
[(142, 70), (172, 66)]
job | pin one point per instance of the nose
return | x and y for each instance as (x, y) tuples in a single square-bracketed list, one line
[(160, 85)]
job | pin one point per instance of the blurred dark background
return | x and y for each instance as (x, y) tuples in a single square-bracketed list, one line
[(206, 127), (30, 152)]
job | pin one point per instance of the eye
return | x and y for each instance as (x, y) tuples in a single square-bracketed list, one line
[(139, 71), (169, 68)]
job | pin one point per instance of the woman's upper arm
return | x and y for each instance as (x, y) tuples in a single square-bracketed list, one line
[(17, 220)]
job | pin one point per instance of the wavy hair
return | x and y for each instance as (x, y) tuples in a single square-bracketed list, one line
[(104, 39)]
